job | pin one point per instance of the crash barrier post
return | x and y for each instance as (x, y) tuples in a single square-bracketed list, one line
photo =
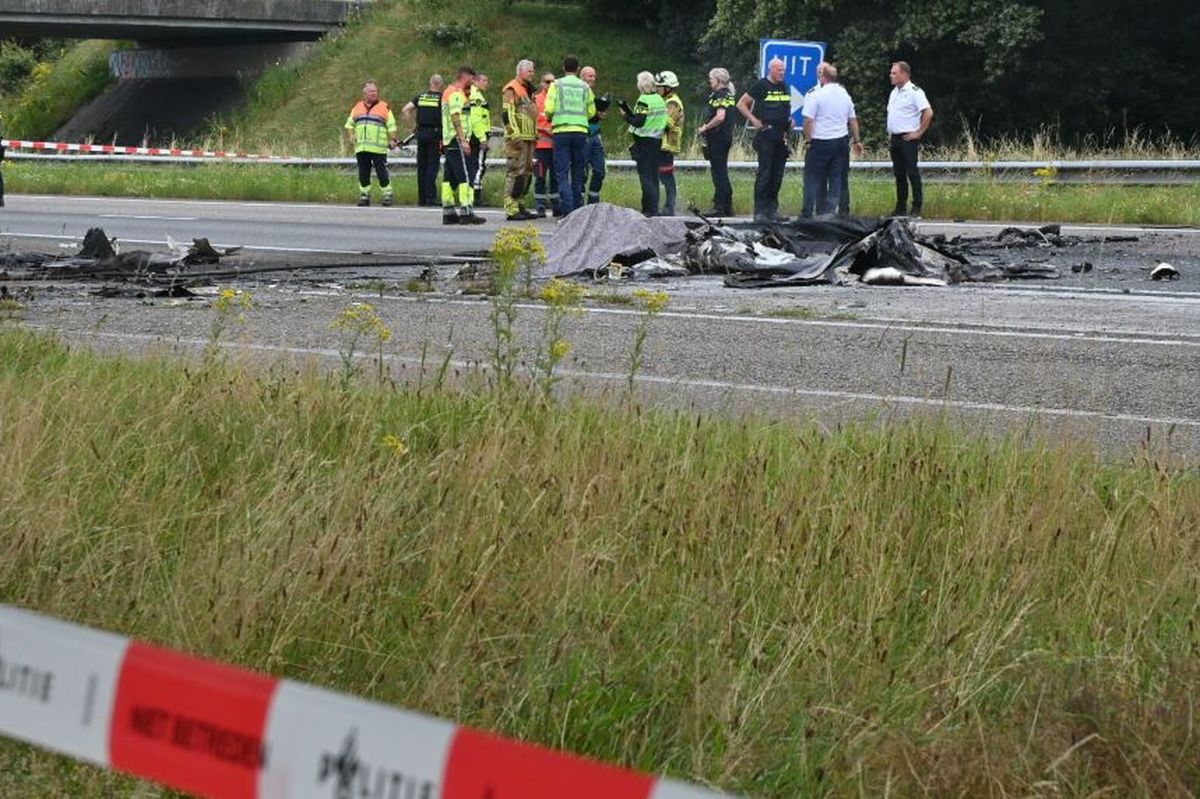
[(1110, 171), (218, 731)]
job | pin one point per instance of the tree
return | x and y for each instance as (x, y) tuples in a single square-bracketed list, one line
[(981, 38)]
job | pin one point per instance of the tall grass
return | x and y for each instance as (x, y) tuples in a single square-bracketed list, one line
[(976, 198), (57, 89), (768, 607)]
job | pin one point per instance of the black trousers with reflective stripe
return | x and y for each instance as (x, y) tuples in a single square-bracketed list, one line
[(377, 162)]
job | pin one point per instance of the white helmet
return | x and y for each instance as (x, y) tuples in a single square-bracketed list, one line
[(666, 78)]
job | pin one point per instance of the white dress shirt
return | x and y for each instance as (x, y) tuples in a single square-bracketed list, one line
[(831, 109), (905, 105)]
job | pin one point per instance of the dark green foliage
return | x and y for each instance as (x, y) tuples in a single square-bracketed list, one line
[(16, 65), (679, 25), (1095, 70)]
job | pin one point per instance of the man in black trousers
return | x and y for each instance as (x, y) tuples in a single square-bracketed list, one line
[(767, 106), (427, 109), (908, 118)]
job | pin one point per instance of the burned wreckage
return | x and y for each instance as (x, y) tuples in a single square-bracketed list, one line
[(148, 273), (605, 239), (184, 267)]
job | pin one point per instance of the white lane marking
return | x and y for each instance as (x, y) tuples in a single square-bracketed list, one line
[(883, 326), (1084, 227), (687, 382), (1087, 292), (156, 218)]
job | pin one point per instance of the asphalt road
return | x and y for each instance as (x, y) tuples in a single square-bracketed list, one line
[(261, 227), (1109, 356)]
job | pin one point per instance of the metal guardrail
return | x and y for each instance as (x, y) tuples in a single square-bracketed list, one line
[(1083, 171)]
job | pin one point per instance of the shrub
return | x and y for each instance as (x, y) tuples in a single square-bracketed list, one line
[(16, 65), (451, 33)]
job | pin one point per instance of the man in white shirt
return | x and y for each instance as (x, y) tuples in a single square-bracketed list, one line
[(908, 117), (830, 125)]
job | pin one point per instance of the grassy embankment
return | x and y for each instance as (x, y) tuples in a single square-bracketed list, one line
[(767, 607), (301, 109), (57, 89)]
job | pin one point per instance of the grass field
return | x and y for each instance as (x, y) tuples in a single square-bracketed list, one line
[(772, 608), (301, 109), (982, 198)]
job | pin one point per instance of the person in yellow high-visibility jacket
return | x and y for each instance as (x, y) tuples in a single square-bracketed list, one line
[(458, 198), (672, 142), (481, 129), (371, 128), (570, 103)]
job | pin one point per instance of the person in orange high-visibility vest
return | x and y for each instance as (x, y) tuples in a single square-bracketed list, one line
[(371, 128), (545, 184)]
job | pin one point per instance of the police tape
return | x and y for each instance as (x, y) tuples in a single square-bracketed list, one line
[(219, 731), (156, 152)]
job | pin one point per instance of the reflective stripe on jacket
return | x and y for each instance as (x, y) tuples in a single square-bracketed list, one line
[(570, 104), (545, 140), (520, 111), (481, 114), (454, 102), (673, 138), (374, 127), (429, 110), (655, 109)]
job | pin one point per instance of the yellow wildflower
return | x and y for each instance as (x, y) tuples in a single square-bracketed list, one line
[(651, 301), (562, 293), (1046, 173), (362, 319), (229, 299), (559, 349), (395, 444)]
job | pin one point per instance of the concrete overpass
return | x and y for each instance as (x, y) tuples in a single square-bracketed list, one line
[(175, 21)]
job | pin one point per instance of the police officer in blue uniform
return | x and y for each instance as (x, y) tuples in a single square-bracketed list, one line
[(767, 106), (427, 108)]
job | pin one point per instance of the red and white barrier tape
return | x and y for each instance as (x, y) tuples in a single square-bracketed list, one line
[(113, 149), (219, 731)]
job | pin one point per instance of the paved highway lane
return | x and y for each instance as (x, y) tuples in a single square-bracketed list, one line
[(264, 227), (1109, 356), (1117, 390)]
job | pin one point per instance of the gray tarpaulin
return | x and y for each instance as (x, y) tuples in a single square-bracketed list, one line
[(592, 237)]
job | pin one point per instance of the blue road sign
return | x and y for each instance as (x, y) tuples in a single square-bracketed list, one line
[(800, 61)]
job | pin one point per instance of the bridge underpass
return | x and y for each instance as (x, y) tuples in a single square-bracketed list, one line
[(182, 21), (191, 61)]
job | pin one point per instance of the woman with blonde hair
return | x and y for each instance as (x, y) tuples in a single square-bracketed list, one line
[(717, 136), (647, 124)]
